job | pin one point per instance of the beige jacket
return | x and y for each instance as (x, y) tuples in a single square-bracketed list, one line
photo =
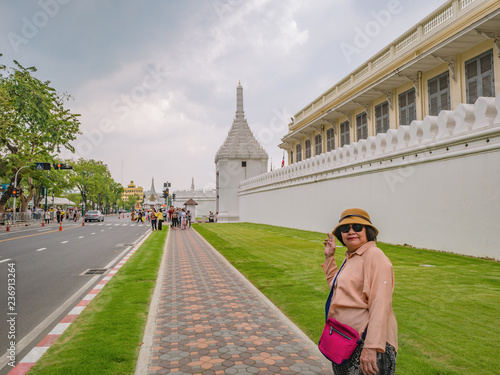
[(363, 295)]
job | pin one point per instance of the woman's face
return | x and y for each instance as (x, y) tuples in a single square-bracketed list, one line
[(353, 240)]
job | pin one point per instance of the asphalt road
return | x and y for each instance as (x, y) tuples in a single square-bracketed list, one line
[(47, 265)]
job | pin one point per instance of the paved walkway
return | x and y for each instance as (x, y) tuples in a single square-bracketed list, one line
[(211, 320)]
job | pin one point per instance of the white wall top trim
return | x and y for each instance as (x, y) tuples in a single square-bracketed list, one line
[(468, 130)]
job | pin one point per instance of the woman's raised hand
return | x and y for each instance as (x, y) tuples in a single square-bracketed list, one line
[(329, 246)]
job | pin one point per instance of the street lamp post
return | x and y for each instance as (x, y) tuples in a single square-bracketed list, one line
[(83, 193)]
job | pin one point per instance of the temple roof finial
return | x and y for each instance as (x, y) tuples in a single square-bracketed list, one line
[(240, 113)]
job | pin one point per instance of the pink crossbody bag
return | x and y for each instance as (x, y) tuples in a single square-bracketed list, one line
[(338, 341)]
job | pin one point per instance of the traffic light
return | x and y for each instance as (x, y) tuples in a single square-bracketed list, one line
[(62, 166), (173, 196), (15, 193), (165, 193)]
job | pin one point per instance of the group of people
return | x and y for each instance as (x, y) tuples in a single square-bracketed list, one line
[(179, 217), (60, 214), (154, 216)]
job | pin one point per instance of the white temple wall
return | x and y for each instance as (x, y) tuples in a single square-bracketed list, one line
[(204, 207), (231, 173), (434, 184)]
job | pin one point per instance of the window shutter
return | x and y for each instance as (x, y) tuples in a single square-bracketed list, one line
[(433, 105), (444, 101), (488, 88), (472, 88)]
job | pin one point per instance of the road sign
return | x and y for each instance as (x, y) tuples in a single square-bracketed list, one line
[(42, 166)]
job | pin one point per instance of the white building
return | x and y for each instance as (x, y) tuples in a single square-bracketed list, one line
[(204, 198), (239, 158)]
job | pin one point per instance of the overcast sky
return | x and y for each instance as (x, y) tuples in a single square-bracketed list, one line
[(155, 81)]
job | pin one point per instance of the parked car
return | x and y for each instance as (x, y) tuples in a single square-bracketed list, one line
[(94, 215)]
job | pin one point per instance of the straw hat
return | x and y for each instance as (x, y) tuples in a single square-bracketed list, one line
[(354, 216)]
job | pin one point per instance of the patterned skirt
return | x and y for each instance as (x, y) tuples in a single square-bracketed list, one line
[(386, 362)]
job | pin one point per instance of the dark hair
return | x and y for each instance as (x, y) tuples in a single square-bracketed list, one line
[(371, 234)]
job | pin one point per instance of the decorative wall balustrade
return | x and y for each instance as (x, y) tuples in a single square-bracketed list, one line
[(470, 128)]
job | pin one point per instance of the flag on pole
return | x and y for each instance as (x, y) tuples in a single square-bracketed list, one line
[(283, 161)]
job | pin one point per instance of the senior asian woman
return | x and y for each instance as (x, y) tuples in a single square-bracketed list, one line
[(362, 297)]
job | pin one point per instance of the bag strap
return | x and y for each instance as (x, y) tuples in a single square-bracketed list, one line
[(329, 300)]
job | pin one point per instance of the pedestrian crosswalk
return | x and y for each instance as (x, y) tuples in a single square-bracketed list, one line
[(118, 224)]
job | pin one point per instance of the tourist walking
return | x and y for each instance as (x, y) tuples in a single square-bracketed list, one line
[(47, 216), (159, 216), (183, 219), (175, 217), (362, 297), (152, 217)]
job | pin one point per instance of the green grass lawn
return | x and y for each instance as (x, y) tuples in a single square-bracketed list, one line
[(106, 337), (448, 315)]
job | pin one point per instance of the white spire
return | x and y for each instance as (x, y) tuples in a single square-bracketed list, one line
[(240, 113), (152, 190)]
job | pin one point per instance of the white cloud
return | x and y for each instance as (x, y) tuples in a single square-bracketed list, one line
[(163, 74)]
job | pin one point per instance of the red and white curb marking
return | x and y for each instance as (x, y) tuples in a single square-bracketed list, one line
[(38, 351)]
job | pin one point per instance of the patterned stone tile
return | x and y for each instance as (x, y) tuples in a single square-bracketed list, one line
[(211, 322)]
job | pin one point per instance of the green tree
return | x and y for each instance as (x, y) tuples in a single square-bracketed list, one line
[(95, 184), (34, 126)]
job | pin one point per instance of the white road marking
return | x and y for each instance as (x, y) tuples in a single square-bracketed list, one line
[(64, 242), (5, 260), (80, 237), (102, 230), (92, 233), (42, 249), (26, 340)]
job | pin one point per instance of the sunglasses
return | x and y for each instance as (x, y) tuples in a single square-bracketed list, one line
[(346, 228)]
